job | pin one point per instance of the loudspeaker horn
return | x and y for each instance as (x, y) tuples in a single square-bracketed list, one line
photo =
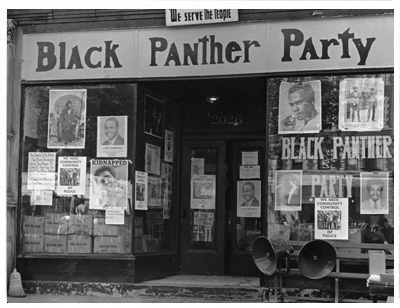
[(267, 254), (316, 259)]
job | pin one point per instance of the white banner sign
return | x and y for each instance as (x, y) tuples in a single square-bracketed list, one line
[(176, 17)]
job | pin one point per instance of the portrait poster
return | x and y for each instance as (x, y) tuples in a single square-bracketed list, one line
[(42, 197), (109, 184), (154, 117), (332, 215), (71, 179), (169, 146), (112, 136), (374, 193), (166, 189), (141, 183), (288, 190), (300, 107), (202, 192), (152, 159), (361, 104), (67, 119), (197, 166), (248, 199), (41, 171), (154, 191)]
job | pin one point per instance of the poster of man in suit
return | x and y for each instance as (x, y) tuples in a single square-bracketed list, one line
[(111, 136), (249, 198)]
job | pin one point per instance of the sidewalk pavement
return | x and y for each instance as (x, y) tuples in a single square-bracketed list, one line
[(50, 298)]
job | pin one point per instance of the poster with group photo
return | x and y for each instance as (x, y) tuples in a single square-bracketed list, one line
[(288, 184), (109, 184), (202, 192), (361, 104), (300, 107), (152, 159), (67, 119), (331, 216), (71, 178), (153, 117), (248, 198), (374, 193), (112, 136)]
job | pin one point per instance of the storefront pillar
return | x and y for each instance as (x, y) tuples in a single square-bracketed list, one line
[(11, 200)]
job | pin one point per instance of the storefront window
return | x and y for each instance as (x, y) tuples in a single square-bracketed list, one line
[(76, 169), (331, 158)]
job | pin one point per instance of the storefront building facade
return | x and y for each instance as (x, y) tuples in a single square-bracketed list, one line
[(120, 160)]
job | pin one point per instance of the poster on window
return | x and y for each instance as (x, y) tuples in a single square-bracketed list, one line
[(374, 193), (153, 117), (67, 119), (42, 197), (141, 183), (288, 185), (300, 107), (202, 192), (361, 104), (197, 166), (154, 191), (202, 226), (166, 189), (169, 146), (331, 217), (41, 171), (109, 184), (112, 136), (152, 159), (248, 198), (71, 179)]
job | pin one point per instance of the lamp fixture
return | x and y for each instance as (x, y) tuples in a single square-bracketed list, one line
[(212, 99)]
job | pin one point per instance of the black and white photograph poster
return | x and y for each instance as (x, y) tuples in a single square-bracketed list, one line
[(248, 198), (154, 191), (153, 117), (112, 136), (169, 146), (202, 192), (67, 119), (361, 104), (374, 193), (109, 184), (152, 159), (331, 217), (288, 192), (300, 107), (141, 185), (71, 179)]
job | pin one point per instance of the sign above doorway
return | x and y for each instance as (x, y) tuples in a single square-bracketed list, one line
[(175, 17)]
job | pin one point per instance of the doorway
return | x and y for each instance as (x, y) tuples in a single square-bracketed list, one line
[(217, 225)]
